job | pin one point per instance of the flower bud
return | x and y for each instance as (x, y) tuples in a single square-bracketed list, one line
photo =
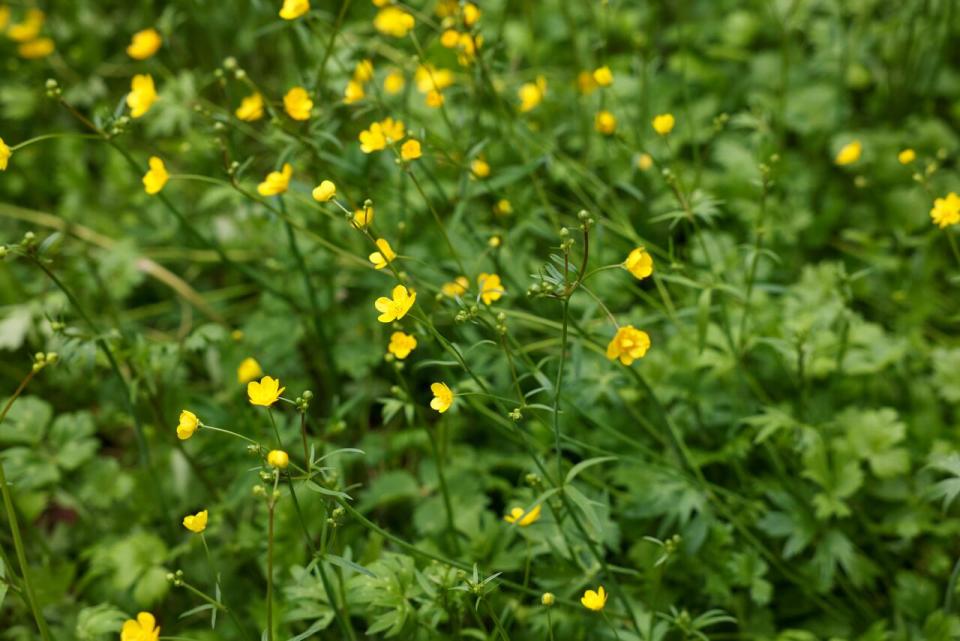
[(548, 599)]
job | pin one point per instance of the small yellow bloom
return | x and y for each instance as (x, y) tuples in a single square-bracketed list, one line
[(266, 392), (393, 130), (142, 95), (156, 178), (293, 9), (196, 523), (29, 28), (457, 287), (531, 94), (491, 288), (35, 49), (384, 257), (276, 182), (585, 83), (237, 335), (605, 123), (189, 423), (639, 263), (4, 16), (442, 397), (434, 99), (603, 76), (849, 153), (297, 103), (393, 21), (325, 191), (907, 156), (363, 217), (522, 518), (401, 344), (503, 207), (278, 459), (594, 600), (5, 153), (946, 211), (663, 124), (251, 108), (480, 168), (495, 241), (363, 72), (548, 599), (444, 8), (644, 161), (629, 344), (395, 308), (393, 83), (143, 628), (353, 93), (450, 38), (248, 370), (144, 44), (410, 150), (372, 139), (471, 13)]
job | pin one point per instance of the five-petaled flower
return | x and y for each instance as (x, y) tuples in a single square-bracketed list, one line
[(156, 177), (385, 256), (457, 287), (531, 94), (248, 370), (907, 156), (479, 168), (491, 288), (144, 44), (276, 182), (639, 263), (401, 344), (946, 210), (849, 153), (521, 517), (379, 134), (293, 9), (605, 122), (594, 600), (143, 93), (325, 191), (442, 397), (251, 108), (266, 392), (278, 459), (29, 28), (603, 76), (411, 150), (629, 344), (5, 153), (143, 628), (393, 21), (35, 49), (663, 124), (297, 103), (196, 523), (188, 425), (395, 308)]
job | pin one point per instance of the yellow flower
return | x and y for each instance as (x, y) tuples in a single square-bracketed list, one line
[(605, 123), (849, 153), (189, 423), (946, 211), (644, 161), (297, 103), (471, 13), (395, 308), (495, 241), (457, 287), (144, 628), (325, 191), (278, 459), (444, 8), (293, 9), (428, 78), (442, 397), (5, 153), (467, 48), (586, 83), (522, 518), (594, 600), (251, 108), (372, 139), (531, 94), (156, 178), (276, 182), (144, 44), (629, 344), (434, 99), (480, 168), (503, 207), (393, 130), (548, 599), (383, 257), (490, 288), (196, 523), (34, 49), (450, 38), (907, 156), (401, 344), (363, 72), (603, 76), (29, 29), (4, 16), (393, 83), (363, 217), (248, 370), (663, 124), (639, 263), (266, 392), (410, 150), (393, 21), (353, 93), (142, 94)]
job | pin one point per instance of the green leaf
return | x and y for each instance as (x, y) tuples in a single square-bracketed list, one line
[(582, 465), (96, 621)]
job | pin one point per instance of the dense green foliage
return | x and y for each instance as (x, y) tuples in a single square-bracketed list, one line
[(780, 465)]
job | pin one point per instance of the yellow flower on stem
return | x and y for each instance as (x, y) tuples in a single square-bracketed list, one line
[(363, 217), (276, 182), (196, 523), (457, 287), (594, 600), (385, 256), (393, 130), (907, 156), (429, 78), (353, 93), (29, 28), (450, 38), (849, 153), (278, 459), (393, 83), (401, 344), (293, 9), (35, 49), (411, 150), (442, 397), (521, 517), (629, 344), (5, 154), (248, 370), (480, 168), (363, 72), (297, 103), (393, 21), (144, 44), (156, 177), (491, 288), (188, 425), (143, 93), (644, 161), (663, 124), (325, 191), (251, 108), (372, 139), (471, 13), (4, 16), (639, 263), (143, 628), (434, 99), (605, 123), (395, 308), (266, 392), (586, 83), (503, 207), (531, 94), (603, 76), (946, 210)]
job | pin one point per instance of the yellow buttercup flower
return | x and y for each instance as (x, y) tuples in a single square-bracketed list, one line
[(278, 459), (297, 103), (384, 257), (946, 210), (276, 182), (644, 161), (251, 108), (5, 154), (471, 13), (196, 523), (393, 21), (450, 38), (849, 153), (4, 16), (907, 156), (143, 628), (586, 83), (266, 392), (363, 217), (35, 49), (605, 123), (395, 308), (293, 9), (442, 397), (372, 139), (401, 344), (142, 95), (480, 168), (503, 207), (410, 150), (434, 99), (457, 287), (663, 124), (188, 425), (363, 72), (393, 83), (156, 178), (353, 93), (594, 600), (522, 518), (639, 263), (29, 28), (144, 44), (629, 344), (248, 370), (393, 130), (428, 78), (325, 191), (531, 94), (603, 76), (491, 288)]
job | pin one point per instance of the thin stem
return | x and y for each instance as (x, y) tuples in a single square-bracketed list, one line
[(557, 388)]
